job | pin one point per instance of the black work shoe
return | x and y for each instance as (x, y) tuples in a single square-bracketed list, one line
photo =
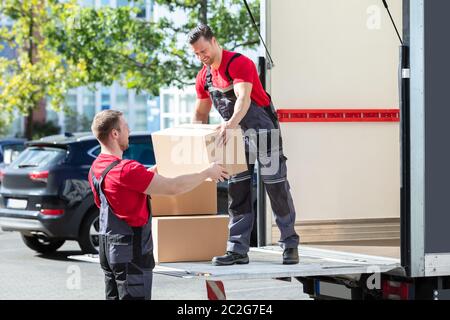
[(230, 258), (290, 256)]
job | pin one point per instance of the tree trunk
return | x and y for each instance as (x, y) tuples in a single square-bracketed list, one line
[(32, 54), (29, 124), (36, 114), (203, 12)]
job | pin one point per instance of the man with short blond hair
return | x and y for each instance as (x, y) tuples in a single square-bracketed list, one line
[(121, 188)]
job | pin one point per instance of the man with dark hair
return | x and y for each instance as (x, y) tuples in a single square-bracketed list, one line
[(230, 81), (121, 188), (202, 30)]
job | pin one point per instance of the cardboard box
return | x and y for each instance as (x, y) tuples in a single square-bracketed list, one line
[(189, 238), (191, 148), (201, 200)]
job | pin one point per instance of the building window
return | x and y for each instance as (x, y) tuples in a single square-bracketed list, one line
[(121, 99), (178, 107), (123, 3), (87, 3), (168, 122), (89, 104), (71, 100), (169, 103), (141, 120)]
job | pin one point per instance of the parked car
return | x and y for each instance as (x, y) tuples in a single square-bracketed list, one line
[(45, 194)]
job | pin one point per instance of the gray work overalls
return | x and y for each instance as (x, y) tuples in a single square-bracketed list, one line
[(126, 253), (263, 121)]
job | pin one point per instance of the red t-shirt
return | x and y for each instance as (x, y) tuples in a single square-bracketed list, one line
[(242, 69), (124, 187)]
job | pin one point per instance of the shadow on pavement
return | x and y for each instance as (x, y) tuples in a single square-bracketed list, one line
[(60, 255)]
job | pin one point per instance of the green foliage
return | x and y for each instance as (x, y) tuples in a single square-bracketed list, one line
[(44, 129), (4, 128), (113, 45), (59, 45), (36, 70)]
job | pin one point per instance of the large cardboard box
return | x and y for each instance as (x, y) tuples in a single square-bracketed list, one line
[(189, 238), (201, 200), (191, 148)]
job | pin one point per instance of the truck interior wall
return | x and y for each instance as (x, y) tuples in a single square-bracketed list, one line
[(338, 54)]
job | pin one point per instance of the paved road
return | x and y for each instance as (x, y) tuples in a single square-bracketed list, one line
[(24, 274)]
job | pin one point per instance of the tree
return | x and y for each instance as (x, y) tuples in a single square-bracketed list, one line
[(44, 129), (229, 20), (35, 70), (114, 45), (60, 45)]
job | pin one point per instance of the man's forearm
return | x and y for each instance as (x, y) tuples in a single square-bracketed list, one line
[(187, 182), (200, 118), (240, 110)]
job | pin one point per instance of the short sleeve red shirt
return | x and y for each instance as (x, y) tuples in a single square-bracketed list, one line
[(241, 69), (124, 187)]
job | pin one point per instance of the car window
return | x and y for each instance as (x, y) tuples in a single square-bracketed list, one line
[(141, 152), (11, 152), (94, 152), (35, 157)]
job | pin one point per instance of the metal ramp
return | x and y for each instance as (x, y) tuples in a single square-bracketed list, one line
[(265, 263)]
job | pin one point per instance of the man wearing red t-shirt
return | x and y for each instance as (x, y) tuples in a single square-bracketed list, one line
[(121, 188), (230, 81)]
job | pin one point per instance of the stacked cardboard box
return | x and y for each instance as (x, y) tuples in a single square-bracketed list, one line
[(186, 227), (200, 201)]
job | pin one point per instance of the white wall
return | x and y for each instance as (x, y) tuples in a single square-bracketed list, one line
[(338, 54)]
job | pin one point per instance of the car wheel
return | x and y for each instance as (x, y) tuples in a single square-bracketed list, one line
[(89, 233), (42, 244)]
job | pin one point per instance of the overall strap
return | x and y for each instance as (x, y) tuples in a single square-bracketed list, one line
[(227, 73), (208, 82), (108, 169), (98, 183)]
